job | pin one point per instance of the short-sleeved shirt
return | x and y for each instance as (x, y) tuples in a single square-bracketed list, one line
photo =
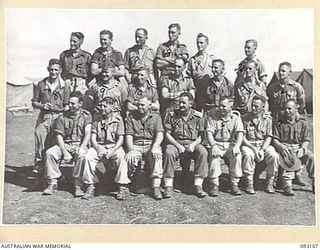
[(175, 85), (279, 94), (72, 127), (200, 65), (244, 93), (295, 132), (145, 129), (75, 65), (224, 129), (184, 129), (261, 70), (217, 90), (113, 58), (114, 89), (135, 58), (58, 98), (257, 129), (135, 92), (108, 131), (164, 50)]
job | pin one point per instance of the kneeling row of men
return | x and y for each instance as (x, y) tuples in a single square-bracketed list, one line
[(218, 134)]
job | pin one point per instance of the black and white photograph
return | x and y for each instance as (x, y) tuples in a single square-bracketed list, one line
[(149, 116)]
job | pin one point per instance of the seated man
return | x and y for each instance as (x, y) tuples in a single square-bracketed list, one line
[(144, 134), (142, 87), (73, 131), (256, 145), (291, 137), (184, 128), (225, 135), (107, 140)]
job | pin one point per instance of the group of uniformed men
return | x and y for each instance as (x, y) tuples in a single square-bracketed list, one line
[(174, 108)]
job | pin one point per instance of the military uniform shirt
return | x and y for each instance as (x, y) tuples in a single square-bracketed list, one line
[(278, 95), (101, 56), (143, 130), (176, 85), (200, 65), (108, 131), (256, 129), (214, 92), (72, 127), (134, 92), (75, 65), (295, 132), (164, 50), (58, 98), (261, 70), (224, 129), (135, 58), (114, 89), (184, 129)]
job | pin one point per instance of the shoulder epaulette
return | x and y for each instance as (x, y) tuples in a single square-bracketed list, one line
[(197, 113)]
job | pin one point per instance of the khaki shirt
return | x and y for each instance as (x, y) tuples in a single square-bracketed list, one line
[(175, 85), (224, 129), (295, 132), (278, 95), (257, 129), (134, 92), (185, 129), (164, 50), (218, 90), (72, 127), (261, 70), (75, 65), (143, 130), (200, 65), (135, 58), (108, 131), (101, 56)]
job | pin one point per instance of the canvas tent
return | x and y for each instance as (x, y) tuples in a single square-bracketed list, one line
[(304, 77)]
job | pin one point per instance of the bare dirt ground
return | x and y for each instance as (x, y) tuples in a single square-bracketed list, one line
[(24, 206)]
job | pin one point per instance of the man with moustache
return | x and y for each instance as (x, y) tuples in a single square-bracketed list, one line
[(218, 86), (51, 96), (144, 134), (199, 69), (250, 51), (184, 132), (73, 131), (140, 55)]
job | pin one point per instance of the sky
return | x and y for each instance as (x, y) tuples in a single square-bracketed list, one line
[(33, 36)]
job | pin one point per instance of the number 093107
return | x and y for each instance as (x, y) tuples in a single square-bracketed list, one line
[(308, 246)]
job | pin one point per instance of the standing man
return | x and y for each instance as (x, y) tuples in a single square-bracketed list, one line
[(76, 64), (73, 131), (284, 90), (291, 139), (109, 86), (51, 96), (142, 87), (217, 87), (184, 132), (173, 86), (200, 70), (106, 54), (144, 134), (107, 140), (225, 136), (256, 147), (250, 48), (247, 88), (140, 55), (167, 52)]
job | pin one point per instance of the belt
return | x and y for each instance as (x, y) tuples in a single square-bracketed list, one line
[(256, 143)]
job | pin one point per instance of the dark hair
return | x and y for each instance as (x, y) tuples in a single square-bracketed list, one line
[(203, 35), (254, 42), (187, 94), (77, 94), (142, 68), (285, 64), (53, 61), (108, 100), (144, 31), (107, 32), (175, 25), (78, 35), (181, 58), (260, 97)]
